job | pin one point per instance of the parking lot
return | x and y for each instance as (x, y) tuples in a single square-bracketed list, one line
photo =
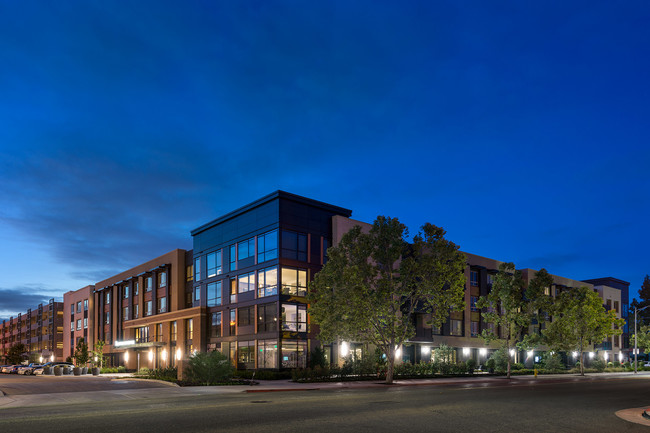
[(13, 384)]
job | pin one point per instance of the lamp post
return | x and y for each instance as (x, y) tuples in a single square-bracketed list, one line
[(636, 354)]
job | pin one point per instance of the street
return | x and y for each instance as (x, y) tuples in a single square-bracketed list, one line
[(551, 406)]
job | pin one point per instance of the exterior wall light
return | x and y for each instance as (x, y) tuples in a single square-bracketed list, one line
[(126, 356), (575, 354), (40, 359), (164, 355), (151, 355), (52, 358), (591, 355), (482, 351), (530, 353), (345, 349), (398, 352), (178, 354), (606, 355), (466, 351), (426, 350), (512, 352)]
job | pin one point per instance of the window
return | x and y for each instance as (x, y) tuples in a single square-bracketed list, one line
[(125, 292), (147, 309), (214, 294), (162, 305), (173, 331), (142, 334), (78, 324), (79, 307), (125, 313), (71, 311), (162, 279), (197, 293), (608, 305), (233, 257), (189, 329), (189, 273), (107, 318), (246, 282), (85, 304), (136, 311), (326, 245), (233, 290), (85, 323), (214, 264), (215, 328), (233, 321), (136, 288), (474, 329), (267, 246), (267, 282), (245, 249), (472, 302), (294, 281), (294, 354), (267, 354), (245, 316), (473, 278), (197, 269), (246, 354), (159, 332), (267, 319), (72, 325), (294, 245), (108, 297), (456, 327), (294, 317), (616, 306), (547, 291), (148, 284), (490, 279)]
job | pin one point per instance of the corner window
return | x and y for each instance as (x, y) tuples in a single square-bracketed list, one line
[(294, 245), (267, 246), (267, 319), (267, 282), (246, 282), (294, 317), (294, 282)]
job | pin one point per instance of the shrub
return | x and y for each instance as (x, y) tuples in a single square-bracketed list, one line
[(169, 374), (208, 368), (598, 365), (554, 363), (500, 360), (516, 366), (471, 365), (317, 358), (610, 364)]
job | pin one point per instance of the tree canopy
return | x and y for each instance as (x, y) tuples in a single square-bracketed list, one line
[(579, 320), (374, 283)]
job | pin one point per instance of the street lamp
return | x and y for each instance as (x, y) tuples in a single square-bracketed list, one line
[(636, 354)]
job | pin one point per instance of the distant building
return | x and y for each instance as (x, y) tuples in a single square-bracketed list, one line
[(39, 329)]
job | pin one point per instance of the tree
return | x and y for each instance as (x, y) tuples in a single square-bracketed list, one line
[(375, 282), (208, 368), (644, 296), (643, 338), (16, 353), (537, 304), (579, 320), (98, 353), (81, 353), (505, 308)]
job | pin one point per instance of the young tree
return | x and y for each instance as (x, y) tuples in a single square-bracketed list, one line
[(81, 353), (505, 308), (538, 303), (373, 284), (98, 353), (643, 338), (579, 320)]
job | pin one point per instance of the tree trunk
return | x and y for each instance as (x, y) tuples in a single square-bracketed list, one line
[(582, 364), (508, 357), (391, 366)]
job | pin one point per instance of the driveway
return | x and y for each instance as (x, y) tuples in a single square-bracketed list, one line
[(13, 384)]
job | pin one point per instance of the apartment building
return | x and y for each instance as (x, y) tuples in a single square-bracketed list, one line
[(79, 319), (251, 269), (40, 329)]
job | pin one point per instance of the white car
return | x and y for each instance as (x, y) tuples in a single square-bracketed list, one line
[(647, 364), (28, 369)]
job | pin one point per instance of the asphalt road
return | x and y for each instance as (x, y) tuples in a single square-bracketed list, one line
[(584, 406), (15, 384)]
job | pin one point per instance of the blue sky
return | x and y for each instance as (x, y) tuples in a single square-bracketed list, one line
[(521, 128)]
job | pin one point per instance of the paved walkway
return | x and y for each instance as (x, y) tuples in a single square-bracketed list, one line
[(172, 390)]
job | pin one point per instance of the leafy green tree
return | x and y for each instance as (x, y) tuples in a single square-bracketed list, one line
[(505, 308), (209, 368), (81, 353), (579, 320), (373, 284), (98, 353), (16, 353), (643, 338), (644, 301)]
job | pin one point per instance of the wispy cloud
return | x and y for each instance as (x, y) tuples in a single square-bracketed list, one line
[(19, 299)]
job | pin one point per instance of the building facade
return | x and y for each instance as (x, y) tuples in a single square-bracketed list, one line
[(79, 319), (40, 329)]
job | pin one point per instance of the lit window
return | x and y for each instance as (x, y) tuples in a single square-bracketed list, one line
[(267, 282), (267, 246), (246, 282), (294, 317), (294, 281), (214, 264), (456, 327)]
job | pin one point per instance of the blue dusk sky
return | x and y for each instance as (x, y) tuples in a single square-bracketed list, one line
[(522, 128)]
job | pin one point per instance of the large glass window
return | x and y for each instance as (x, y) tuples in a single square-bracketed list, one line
[(294, 245), (267, 282), (214, 264), (267, 354), (246, 249), (294, 281), (162, 279), (267, 319), (142, 334), (189, 329), (246, 282), (214, 294), (294, 317), (233, 257), (215, 328), (233, 321), (294, 354), (246, 354), (245, 316), (267, 246), (173, 331)]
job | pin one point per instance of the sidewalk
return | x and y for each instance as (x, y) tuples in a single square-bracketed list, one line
[(12, 401)]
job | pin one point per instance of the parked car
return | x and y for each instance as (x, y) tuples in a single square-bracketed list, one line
[(11, 369), (28, 369), (647, 364), (39, 370), (2, 367)]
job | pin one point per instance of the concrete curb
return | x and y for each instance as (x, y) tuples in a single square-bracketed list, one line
[(141, 379)]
